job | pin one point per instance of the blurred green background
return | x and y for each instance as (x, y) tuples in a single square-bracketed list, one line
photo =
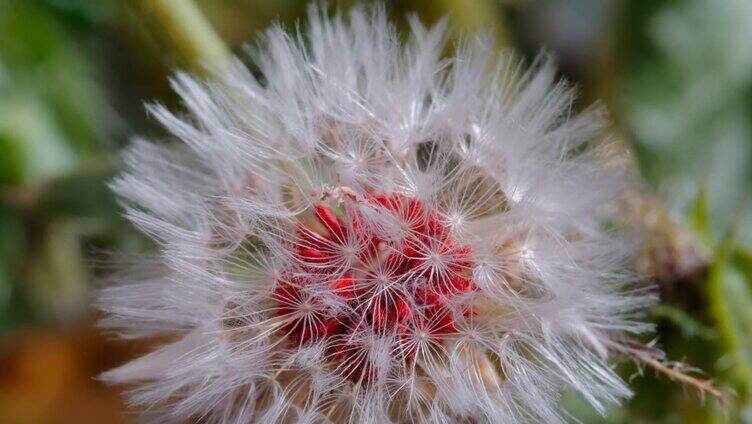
[(675, 74)]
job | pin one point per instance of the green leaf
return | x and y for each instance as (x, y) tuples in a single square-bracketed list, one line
[(730, 300), (699, 216), (12, 165), (37, 150), (44, 61), (685, 101), (12, 246), (689, 326), (81, 13), (742, 260), (81, 195), (57, 281)]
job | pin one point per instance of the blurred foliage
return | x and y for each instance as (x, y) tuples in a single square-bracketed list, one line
[(676, 74), (686, 101), (683, 98)]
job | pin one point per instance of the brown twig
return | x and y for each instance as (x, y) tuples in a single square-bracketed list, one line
[(677, 371)]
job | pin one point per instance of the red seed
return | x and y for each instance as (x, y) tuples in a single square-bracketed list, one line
[(426, 296), (403, 309), (331, 326), (379, 317), (412, 212), (399, 259), (344, 286), (331, 222), (308, 254), (459, 284), (311, 239)]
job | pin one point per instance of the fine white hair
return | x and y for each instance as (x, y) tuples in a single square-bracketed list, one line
[(348, 115)]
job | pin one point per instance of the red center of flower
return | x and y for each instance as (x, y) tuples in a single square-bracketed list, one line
[(388, 268)]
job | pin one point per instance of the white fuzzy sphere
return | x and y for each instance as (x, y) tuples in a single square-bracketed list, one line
[(369, 232)]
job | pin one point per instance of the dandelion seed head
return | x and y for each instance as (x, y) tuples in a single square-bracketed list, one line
[(374, 233)]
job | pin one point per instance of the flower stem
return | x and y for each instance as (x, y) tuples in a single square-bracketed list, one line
[(191, 34)]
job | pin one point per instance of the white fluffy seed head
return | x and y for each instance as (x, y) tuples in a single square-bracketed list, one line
[(371, 233)]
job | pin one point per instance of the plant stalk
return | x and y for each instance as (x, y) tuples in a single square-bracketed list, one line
[(191, 34)]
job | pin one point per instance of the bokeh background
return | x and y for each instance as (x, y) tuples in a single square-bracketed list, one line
[(675, 74)]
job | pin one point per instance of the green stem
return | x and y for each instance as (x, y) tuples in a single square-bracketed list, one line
[(193, 37), (729, 307)]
